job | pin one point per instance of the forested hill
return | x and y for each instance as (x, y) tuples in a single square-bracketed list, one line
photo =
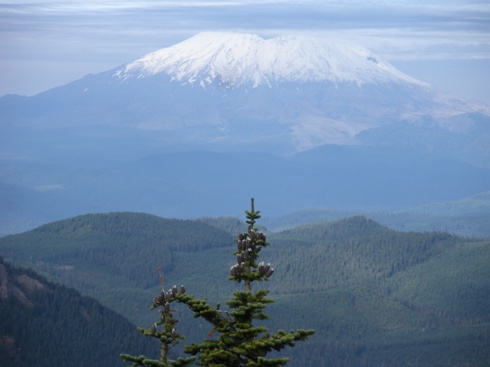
[(351, 251), (43, 324), (375, 296), (121, 248), (133, 228)]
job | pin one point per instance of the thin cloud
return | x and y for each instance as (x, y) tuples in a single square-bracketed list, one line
[(114, 32), (120, 22)]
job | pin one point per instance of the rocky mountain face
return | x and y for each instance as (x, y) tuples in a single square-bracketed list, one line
[(237, 93)]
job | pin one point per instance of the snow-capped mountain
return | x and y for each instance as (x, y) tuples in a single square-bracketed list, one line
[(294, 121), (289, 94), (246, 59), (299, 91)]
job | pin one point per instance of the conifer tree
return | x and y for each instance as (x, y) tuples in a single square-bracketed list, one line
[(239, 340), (165, 329)]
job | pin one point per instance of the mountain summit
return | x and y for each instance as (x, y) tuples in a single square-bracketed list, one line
[(299, 92), (298, 122), (246, 59), (240, 91)]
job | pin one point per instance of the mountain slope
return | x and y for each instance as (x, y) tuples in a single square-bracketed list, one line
[(43, 324), (374, 295), (223, 88)]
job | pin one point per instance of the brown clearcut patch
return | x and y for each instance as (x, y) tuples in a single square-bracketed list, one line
[(29, 284)]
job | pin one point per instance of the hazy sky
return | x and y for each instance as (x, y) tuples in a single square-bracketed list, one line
[(44, 44)]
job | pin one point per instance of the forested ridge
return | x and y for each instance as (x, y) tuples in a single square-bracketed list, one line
[(354, 251), (466, 217), (46, 324), (123, 246), (375, 296)]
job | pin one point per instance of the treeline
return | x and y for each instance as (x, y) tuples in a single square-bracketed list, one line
[(228, 224), (45, 324)]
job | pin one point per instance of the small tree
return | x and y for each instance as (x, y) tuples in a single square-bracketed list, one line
[(239, 342), (165, 329)]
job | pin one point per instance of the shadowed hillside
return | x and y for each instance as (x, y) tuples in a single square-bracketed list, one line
[(43, 324)]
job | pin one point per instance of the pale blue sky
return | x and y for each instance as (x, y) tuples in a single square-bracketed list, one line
[(44, 44)]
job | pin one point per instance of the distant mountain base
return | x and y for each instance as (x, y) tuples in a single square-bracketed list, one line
[(468, 217), (351, 179)]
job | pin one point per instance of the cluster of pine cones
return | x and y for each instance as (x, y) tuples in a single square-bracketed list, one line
[(249, 245), (169, 296)]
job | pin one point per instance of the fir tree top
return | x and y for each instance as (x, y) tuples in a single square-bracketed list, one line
[(235, 339)]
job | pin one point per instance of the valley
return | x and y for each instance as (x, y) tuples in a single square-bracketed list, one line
[(373, 295)]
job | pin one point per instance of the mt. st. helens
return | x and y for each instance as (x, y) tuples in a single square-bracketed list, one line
[(186, 130), (234, 60), (238, 90)]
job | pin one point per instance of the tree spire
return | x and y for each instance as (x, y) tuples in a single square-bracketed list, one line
[(239, 343)]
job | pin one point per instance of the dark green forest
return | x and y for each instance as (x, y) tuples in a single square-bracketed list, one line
[(375, 296), (46, 324)]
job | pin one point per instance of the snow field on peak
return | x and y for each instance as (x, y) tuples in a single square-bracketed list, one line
[(245, 59)]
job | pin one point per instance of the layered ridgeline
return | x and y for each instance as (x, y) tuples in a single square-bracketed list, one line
[(183, 124), (374, 296), (46, 324)]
